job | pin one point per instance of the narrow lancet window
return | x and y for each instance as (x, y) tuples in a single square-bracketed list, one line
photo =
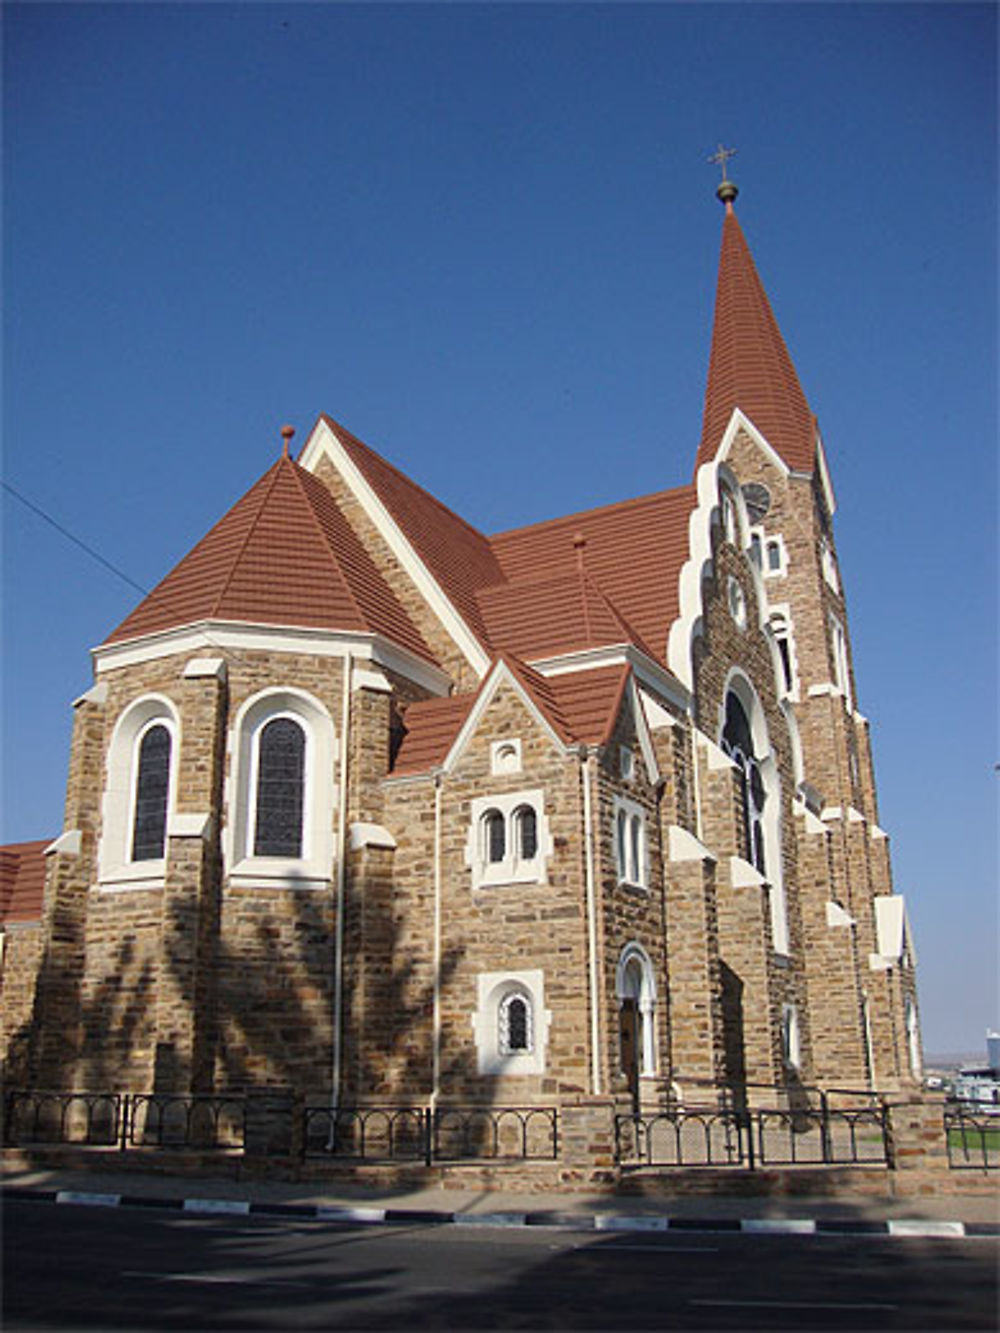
[(280, 789), (152, 788)]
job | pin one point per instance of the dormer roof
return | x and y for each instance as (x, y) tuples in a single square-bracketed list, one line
[(749, 366), (284, 555)]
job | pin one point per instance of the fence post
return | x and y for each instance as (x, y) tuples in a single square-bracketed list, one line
[(824, 1128), (751, 1154), (428, 1118), (123, 1126)]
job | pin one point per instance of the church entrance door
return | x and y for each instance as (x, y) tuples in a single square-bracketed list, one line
[(629, 1033)]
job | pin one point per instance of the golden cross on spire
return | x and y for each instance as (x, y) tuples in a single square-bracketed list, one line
[(721, 159)]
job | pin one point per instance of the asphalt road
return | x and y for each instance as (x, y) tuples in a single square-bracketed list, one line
[(70, 1267)]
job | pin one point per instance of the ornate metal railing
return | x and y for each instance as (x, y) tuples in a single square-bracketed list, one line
[(809, 1129), (177, 1120), (92, 1118), (424, 1134), (125, 1119), (973, 1137)]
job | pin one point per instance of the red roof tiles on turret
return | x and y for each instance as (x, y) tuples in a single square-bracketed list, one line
[(22, 881), (634, 553), (749, 366), (284, 555), (457, 555)]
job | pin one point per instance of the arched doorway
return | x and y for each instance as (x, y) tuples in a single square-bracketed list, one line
[(636, 1008)]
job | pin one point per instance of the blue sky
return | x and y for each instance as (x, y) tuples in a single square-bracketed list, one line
[(484, 237)]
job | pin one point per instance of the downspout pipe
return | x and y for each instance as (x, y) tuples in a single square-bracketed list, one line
[(336, 1071), (586, 769), (436, 962)]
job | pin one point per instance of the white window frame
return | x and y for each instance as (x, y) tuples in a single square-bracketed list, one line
[(116, 867), (514, 868), (495, 989), (626, 762), (759, 549), (632, 851), (780, 624), (314, 869), (838, 648), (634, 959), (828, 565)]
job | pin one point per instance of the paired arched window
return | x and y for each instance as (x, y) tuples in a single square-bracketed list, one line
[(509, 840), (138, 794), (744, 738), (737, 741)]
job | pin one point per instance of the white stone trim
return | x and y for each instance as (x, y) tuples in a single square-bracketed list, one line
[(717, 758), (645, 998), (315, 867), (826, 687), (505, 756), (743, 875), (69, 843), (205, 668), (364, 678), (739, 421), (97, 694), (492, 988), (813, 822), (877, 833), (836, 915), (647, 671), (243, 636), (824, 475), (370, 835), (323, 442), (189, 826), (512, 869), (682, 845), (115, 865)]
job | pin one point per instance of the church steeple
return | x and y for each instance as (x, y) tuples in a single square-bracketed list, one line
[(750, 367)]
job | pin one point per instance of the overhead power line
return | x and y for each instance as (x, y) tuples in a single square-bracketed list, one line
[(77, 541)]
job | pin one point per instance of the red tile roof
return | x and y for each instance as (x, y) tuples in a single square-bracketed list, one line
[(22, 881), (457, 555), (750, 367), (283, 555), (430, 727), (581, 707), (547, 616), (634, 553)]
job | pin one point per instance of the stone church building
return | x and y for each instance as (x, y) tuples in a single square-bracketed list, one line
[(370, 804)]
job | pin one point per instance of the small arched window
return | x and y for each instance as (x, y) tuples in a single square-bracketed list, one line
[(152, 792), (526, 823), (514, 1025), (494, 837), (281, 762)]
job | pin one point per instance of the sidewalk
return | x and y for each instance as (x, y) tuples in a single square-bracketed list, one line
[(332, 1200)]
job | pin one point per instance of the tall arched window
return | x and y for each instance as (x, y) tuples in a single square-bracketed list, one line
[(138, 800), (279, 830), (737, 741), (281, 761), (494, 837), (526, 824), (152, 793)]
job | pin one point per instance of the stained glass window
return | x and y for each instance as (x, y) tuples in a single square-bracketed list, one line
[(149, 829), (280, 789), (527, 832), (515, 1025), (495, 830), (737, 742)]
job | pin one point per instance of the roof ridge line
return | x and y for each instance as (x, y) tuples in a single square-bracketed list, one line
[(237, 558), (299, 473), (598, 509), (331, 421)]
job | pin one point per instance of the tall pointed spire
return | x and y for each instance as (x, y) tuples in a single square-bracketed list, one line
[(750, 367)]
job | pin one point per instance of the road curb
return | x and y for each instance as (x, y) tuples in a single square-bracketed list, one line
[(344, 1215)]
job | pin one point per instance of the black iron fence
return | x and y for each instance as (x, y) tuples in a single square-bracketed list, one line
[(799, 1127), (973, 1137), (125, 1119), (442, 1134)]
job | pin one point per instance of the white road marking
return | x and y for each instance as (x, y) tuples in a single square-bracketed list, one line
[(240, 1206), (84, 1196), (901, 1227)]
